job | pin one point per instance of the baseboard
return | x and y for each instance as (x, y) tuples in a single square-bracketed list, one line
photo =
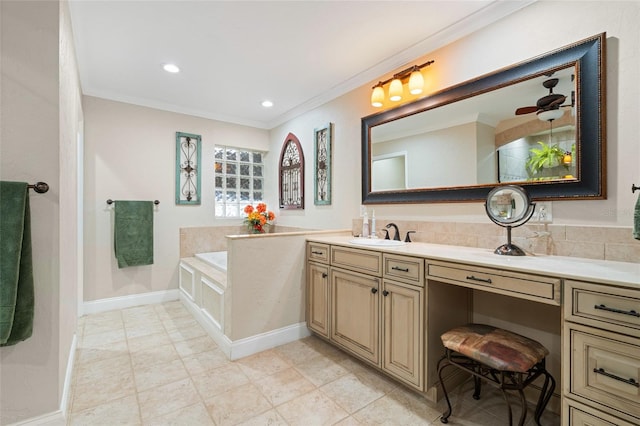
[(121, 302), (261, 342), (55, 418), (250, 345)]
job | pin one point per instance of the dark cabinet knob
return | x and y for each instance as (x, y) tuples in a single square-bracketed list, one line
[(324, 275), (385, 293), (374, 290)]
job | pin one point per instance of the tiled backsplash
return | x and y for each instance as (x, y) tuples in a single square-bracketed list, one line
[(591, 242), (202, 239)]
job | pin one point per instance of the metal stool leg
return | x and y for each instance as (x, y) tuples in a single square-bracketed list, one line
[(477, 386), (545, 395), (523, 403), (441, 366), (506, 399)]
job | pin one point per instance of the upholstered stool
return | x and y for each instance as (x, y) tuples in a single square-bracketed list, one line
[(504, 359)]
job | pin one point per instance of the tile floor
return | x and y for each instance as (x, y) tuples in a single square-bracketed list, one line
[(155, 365)]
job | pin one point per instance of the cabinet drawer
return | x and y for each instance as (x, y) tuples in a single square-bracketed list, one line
[(525, 286), (318, 252), (403, 268), (577, 414), (369, 262), (602, 306), (605, 368)]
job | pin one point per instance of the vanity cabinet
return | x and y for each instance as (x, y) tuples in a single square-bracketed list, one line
[(317, 296), (602, 337), (389, 306), (355, 313), (403, 326), (375, 307)]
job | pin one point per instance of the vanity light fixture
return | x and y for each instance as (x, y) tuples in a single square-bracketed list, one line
[(412, 74)]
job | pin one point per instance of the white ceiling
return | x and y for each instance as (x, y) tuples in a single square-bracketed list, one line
[(235, 54)]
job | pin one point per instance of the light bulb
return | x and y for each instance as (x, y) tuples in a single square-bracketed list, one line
[(416, 82), (172, 68), (550, 115), (395, 90), (377, 96)]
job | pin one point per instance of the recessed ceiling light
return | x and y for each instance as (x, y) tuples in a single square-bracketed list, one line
[(267, 104), (172, 68)]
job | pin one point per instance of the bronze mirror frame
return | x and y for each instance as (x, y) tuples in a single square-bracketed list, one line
[(588, 57)]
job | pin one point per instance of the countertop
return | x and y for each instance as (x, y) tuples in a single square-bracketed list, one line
[(600, 271)]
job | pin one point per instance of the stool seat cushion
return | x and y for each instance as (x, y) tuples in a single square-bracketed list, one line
[(494, 347)]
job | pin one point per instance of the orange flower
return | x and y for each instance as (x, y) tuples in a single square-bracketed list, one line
[(258, 218)]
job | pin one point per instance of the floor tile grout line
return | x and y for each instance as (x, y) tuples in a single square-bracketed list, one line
[(142, 420), (133, 375)]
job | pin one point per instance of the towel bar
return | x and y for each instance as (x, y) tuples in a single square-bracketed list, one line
[(110, 201), (39, 187), (634, 188)]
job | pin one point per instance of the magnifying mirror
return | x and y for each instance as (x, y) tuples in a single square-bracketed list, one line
[(509, 206)]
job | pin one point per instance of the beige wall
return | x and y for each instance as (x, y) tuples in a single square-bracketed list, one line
[(534, 30), (130, 154), (40, 110)]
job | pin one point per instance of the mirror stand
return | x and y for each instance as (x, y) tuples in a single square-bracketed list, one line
[(509, 206), (509, 249)]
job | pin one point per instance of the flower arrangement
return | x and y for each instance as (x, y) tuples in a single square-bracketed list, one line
[(258, 218)]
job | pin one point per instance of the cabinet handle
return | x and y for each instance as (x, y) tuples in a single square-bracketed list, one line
[(617, 311), (324, 275), (385, 293), (484, 280), (631, 382), (317, 252), (374, 290), (395, 268)]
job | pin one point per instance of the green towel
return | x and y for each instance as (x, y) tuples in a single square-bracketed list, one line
[(636, 220), (16, 268), (133, 233)]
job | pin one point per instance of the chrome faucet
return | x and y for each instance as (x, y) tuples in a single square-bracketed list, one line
[(397, 236)]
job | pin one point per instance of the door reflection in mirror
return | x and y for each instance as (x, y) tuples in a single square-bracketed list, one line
[(390, 171)]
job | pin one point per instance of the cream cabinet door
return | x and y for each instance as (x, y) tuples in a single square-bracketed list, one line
[(355, 313), (318, 298), (403, 343)]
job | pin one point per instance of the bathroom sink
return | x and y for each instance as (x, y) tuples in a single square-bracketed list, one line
[(377, 242)]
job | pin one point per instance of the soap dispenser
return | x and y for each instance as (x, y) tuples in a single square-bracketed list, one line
[(365, 225)]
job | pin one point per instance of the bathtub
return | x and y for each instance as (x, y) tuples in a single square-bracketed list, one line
[(217, 259)]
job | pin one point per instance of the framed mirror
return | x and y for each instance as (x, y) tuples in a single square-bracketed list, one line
[(539, 124)]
